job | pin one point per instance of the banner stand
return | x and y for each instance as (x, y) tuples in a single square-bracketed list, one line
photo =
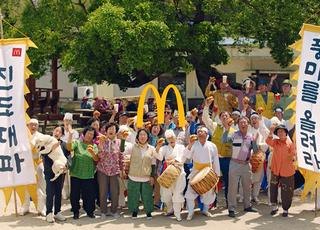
[(15, 202), (316, 203)]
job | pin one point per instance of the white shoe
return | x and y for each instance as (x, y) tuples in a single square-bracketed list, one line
[(42, 213), (179, 219), (269, 204), (49, 218), (240, 200), (207, 214), (168, 213), (23, 213), (59, 217)]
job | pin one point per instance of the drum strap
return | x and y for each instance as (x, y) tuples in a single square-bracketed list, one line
[(199, 166)]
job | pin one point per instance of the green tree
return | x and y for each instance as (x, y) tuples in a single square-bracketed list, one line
[(131, 42)]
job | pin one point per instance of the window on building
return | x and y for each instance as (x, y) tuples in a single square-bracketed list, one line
[(180, 82)]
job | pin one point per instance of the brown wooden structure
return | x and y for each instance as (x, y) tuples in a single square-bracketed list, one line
[(44, 100)]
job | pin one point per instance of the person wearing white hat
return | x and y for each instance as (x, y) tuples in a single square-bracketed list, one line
[(33, 126), (204, 154), (67, 120), (278, 112), (173, 196)]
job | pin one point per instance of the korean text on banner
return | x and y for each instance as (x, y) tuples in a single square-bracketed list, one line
[(16, 163), (307, 116)]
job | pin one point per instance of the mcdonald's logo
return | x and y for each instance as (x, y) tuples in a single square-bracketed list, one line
[(161, 102), (16, 52)]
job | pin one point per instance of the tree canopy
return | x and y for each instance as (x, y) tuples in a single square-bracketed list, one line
[(131, 42)]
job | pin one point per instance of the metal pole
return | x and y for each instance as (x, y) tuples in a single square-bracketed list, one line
[(316, 203), (1, 24)]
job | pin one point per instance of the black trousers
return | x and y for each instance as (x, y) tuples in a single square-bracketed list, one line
[(85, 188), (53, 190)]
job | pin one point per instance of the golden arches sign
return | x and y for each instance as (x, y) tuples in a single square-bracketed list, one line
[(161, 102)]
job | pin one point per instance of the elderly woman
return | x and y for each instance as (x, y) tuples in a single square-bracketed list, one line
[(82, 171), (141, 173), (108, 169), (104, 104)]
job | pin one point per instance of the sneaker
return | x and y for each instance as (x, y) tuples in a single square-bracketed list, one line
[(49, 218), (149, 216), (23, 213), (250, 209), (76, 216), (59, 217), (232, 214), (103, 216), (240, 200), (91, 215), (134, 215), (42, 213), (207, 214), (115, 215)]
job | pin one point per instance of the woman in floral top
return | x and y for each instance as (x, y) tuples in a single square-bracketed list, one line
[(156, 132), (82, 171), (111, 162)]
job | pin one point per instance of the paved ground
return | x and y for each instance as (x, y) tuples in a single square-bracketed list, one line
[(300, 217)]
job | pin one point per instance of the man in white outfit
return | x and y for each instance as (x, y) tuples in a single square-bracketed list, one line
[(173, 153), (204, 154), (33, 125)]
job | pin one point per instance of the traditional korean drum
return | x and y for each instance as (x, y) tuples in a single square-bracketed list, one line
[(256, 161), (126, 164), (204, 180), (169, 176)]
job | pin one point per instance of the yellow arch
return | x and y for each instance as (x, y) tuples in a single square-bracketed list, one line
[(161, 101)]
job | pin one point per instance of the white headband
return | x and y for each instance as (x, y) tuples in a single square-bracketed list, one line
[(169, 133), (33, 121), (203, 129), (236, 112), (68, 116)]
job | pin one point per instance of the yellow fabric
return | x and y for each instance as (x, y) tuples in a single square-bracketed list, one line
[(199, 166), (32, 189), (267, 108), (297, 45), (310, 179), (224, 150), (308, 27), (295, 91), (295, 76), (7, 196), (21, 191), (297, 61), (292, 105)]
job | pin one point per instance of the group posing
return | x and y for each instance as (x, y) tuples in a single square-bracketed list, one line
[(111, 157)]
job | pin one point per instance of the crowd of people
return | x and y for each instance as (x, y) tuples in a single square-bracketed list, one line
[(119, 162)]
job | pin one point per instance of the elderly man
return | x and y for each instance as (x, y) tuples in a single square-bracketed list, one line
[(242, 144), (33, 125), (285, 99), (224, 150), (224, 100), (257, 177), (204, 154), (173, 196), (193, 126)]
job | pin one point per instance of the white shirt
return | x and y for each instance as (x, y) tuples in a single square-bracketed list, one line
[(65, 137), (205, 154), (169, 153)]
